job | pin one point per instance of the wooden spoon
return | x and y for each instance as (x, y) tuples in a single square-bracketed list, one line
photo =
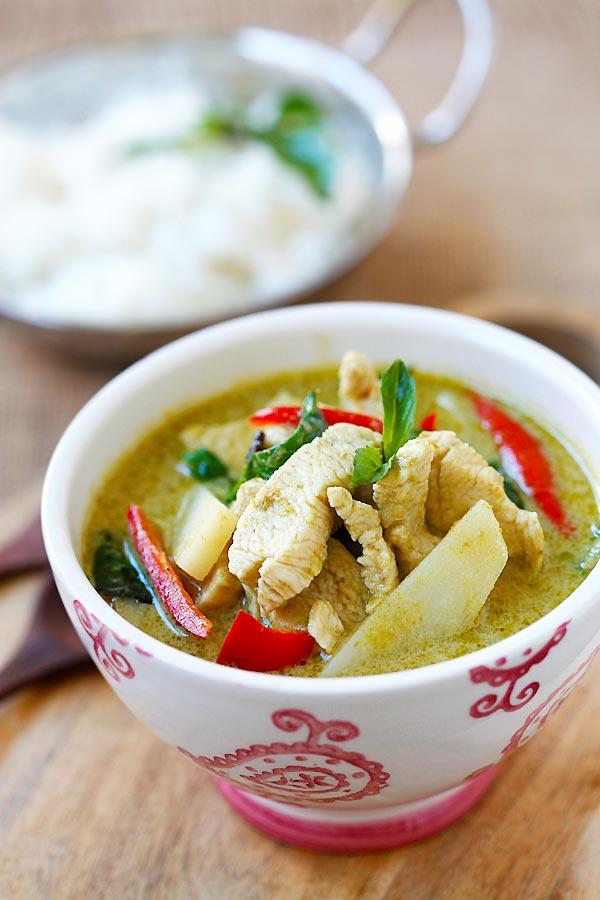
[(50, 643), (25, 551)]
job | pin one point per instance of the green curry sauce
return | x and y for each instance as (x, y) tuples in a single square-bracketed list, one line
[(151, 475)]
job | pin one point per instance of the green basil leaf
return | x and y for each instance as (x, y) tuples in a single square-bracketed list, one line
[(511, 488), (369, 466), (221, 124), (308, 151), (263, 463), (298, 135), (159, 605), (112, 573), (297, 109), (398, 396), (204, 465)]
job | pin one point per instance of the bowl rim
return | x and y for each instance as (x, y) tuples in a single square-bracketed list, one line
[(66, 566), (352, 80)]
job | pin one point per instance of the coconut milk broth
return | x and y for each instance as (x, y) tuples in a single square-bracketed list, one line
[(150, 475)]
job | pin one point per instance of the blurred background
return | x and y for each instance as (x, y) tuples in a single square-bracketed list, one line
[(507, 213)]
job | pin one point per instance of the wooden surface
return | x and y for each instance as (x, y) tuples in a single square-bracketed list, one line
[(91, 805)]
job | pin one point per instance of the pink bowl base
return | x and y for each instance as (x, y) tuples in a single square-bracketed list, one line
[(358, 832)]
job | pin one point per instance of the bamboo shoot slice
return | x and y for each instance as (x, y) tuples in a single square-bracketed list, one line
[(441, 597), (207, 528)]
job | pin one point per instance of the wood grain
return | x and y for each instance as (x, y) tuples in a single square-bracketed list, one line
[(91, 805)]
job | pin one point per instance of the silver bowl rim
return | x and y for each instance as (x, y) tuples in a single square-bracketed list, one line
[(396, 166)]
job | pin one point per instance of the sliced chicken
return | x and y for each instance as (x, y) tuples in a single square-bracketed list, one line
[(379, 569), (280, 542), (325, 625), (359, 385), (401, 497), (339, 583), (437, 479), (459, 478), (246, 494)]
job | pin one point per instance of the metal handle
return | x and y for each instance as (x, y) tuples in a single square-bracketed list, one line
[(377, 27)]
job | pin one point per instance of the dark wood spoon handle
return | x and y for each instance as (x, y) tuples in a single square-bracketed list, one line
[(25, 551), (50, 644), (37, 659)]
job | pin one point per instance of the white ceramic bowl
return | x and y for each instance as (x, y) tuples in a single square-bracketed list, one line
[(355, 763)]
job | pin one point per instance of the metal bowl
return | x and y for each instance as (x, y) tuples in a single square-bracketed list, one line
[(69, 85)]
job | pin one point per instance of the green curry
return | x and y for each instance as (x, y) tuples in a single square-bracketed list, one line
[(155, 476)]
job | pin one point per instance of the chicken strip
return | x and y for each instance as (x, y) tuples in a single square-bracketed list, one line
[(246, 493), (438, 478), (325, 625), (340, 584), (280, 542), (359, 385), (401, 498), (379, 568), (459, 478)]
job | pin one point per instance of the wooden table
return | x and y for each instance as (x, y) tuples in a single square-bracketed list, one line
[(91, 805)]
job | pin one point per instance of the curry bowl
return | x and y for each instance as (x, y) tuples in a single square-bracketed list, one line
[(338, 764)]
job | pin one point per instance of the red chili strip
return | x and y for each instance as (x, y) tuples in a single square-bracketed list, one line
[(290, 415), (252, 646), (429, 422), (523, 452), (163, 576)]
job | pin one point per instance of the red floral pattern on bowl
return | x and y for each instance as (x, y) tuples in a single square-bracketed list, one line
[(514, 697), (540, 715), (292, 772), (113, 661)]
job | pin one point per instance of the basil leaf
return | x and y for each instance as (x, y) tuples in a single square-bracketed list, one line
[(511, 488), (299, 109), (159, 605), (222, 125), (298, 135), (263, 463), (204, 465), (308, 151), (112, 573), (398, 396), (369, 467)]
